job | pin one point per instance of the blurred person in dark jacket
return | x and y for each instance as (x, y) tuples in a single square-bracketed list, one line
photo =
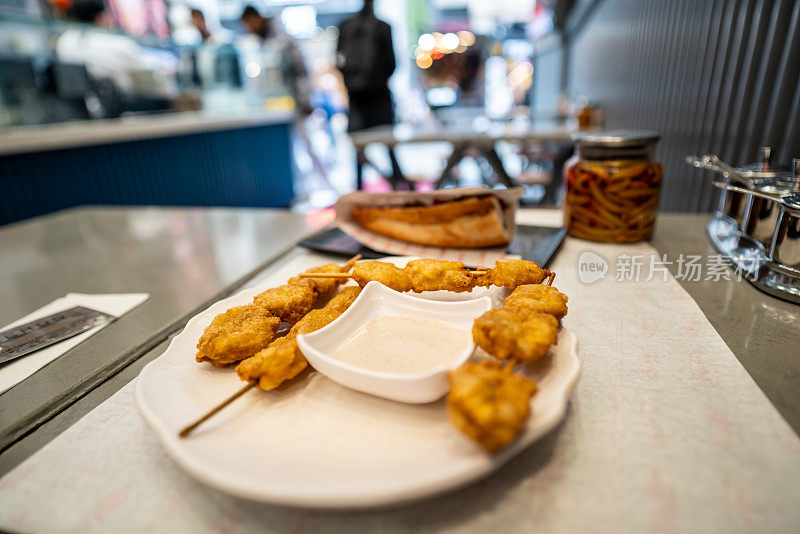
[(365, 57)]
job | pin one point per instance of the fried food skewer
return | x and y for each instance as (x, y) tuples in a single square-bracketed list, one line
[(437, 275), (294, 299), (513, 273), (240, 332), (488, 402), (236, 334), (282, 359)]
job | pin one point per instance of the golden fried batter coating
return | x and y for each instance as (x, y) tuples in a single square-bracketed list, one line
[(316, 319), (435, 275), (538, 298), (321, 286), (236, 334), (515, 334), (343, 300), (513, 273), (289, 302), (489, 404), (282, 360), (387, 274), (279, 362)]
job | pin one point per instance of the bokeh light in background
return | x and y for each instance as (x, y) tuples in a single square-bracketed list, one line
[(252, 69), (466, 38), (450, 41), (435, 45), (424, 62), (427, 42)]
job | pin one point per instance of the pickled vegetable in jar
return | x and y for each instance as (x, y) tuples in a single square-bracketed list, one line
[(613, 187)]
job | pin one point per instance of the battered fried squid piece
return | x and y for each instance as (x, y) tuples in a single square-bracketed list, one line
[(316, 319), (242, 331), (279, 362), (387, 274), (338, 304), (488, 403), (236, 334), (436, 275), (282, 360), (508, 333), (538, 298), (289, 302), (321, 286), (513, 273)]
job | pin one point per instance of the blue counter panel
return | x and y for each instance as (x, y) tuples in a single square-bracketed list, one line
[(248, 167)]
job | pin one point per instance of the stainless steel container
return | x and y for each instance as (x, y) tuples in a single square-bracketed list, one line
[(734, 204), (786, 241), (761, 215), (785, 245), (766, 247)]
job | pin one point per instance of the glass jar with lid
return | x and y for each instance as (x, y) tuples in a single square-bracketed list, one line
[(613, 186)]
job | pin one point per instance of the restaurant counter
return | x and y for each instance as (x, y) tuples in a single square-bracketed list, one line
[(208, 158)]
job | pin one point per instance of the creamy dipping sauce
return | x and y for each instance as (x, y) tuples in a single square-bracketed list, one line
[(403, 344)]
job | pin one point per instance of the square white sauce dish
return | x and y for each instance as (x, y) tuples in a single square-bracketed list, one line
[(394, 345)]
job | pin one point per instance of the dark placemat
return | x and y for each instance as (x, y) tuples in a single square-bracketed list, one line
[(534, 243)]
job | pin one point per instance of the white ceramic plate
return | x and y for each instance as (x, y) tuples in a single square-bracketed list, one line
[(315, 443)]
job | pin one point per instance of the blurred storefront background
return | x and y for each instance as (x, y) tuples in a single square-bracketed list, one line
[(181, 102)]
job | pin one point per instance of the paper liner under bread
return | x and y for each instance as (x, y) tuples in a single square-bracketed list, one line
[(473, 257)]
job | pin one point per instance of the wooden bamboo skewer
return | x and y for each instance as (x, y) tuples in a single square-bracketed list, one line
[(348, 275), (325, 275), (352, 261), (188, 428), (185, 431)]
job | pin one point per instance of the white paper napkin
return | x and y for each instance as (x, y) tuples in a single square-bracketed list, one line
[(15, 371)]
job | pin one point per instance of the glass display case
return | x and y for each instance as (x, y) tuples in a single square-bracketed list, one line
[(55, 71)]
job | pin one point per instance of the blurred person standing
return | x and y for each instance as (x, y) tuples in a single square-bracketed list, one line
[(365, 57), (198, 20), (274, 38), (117, 73), (214, 63)]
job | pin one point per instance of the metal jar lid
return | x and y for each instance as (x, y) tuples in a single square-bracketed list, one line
[(616, 138), (764, 170), (779, 185)]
